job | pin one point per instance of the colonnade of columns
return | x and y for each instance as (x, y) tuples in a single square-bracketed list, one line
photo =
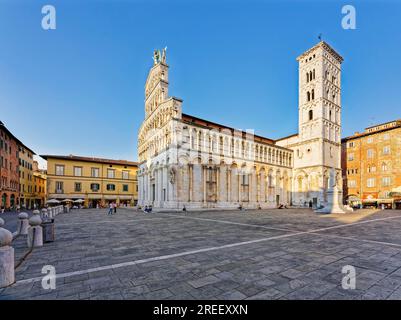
[(196, 185)]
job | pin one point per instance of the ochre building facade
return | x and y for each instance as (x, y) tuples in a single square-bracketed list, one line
[(371, 163), (96, 181)]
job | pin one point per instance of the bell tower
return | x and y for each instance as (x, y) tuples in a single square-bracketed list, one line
[(319, 111)]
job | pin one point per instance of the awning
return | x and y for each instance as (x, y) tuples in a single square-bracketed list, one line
[(384, 200), (77, 196), (110, 197), (94, 196), (125, 197), (369, 200)]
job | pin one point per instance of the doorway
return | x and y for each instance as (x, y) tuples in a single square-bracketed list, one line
[(314, 203)]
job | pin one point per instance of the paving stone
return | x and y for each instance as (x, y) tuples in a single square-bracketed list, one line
[(203, 281), (306, 266)]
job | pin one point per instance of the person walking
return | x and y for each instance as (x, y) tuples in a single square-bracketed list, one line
[(115, 207), (110, 208)]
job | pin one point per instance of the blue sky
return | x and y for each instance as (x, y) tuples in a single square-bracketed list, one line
[(79, 89)]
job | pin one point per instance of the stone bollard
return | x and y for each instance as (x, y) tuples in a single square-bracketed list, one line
[(36, 241), (7, 275), (23, 223), (44, 213)]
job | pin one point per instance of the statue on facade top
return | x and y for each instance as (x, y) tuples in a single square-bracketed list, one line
[(159, 57), (164, 55), (156, 56)]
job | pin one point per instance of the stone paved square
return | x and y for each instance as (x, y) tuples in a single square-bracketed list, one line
[(255, 254)]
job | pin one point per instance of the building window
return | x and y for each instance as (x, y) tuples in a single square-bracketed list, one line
[(384, 166), (386, 150), (59, 187), (370, 153), (370, 183), (111, 187), (371, 169), (351, 183), (125, 187), (77, 186), (386, 136), (59, 170), (350, 144), (386, 181), (310, 115), (350, 157), (95, 172), (370, 140), (125, 175), (110, 173), (94, 187), (78, 171)]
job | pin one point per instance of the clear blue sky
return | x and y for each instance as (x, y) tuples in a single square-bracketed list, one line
[(80, 88)]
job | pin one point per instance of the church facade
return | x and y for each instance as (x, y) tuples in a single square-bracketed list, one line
[(185, 161)]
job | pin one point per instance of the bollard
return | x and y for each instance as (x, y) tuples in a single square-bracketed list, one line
[(7, 275), (23, 223), (44, 213), (35, 232)]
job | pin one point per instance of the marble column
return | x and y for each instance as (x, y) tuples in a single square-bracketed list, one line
[(204, 184), (228, 174)]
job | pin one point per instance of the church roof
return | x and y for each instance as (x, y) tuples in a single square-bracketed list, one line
[(213, 125)]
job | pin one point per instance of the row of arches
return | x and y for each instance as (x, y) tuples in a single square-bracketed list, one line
[(230, 146), (310, 95), (213, 184), (310, 76), (7, 201), (154, 134)]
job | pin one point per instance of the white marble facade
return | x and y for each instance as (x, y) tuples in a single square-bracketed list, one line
[(194, 163)]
